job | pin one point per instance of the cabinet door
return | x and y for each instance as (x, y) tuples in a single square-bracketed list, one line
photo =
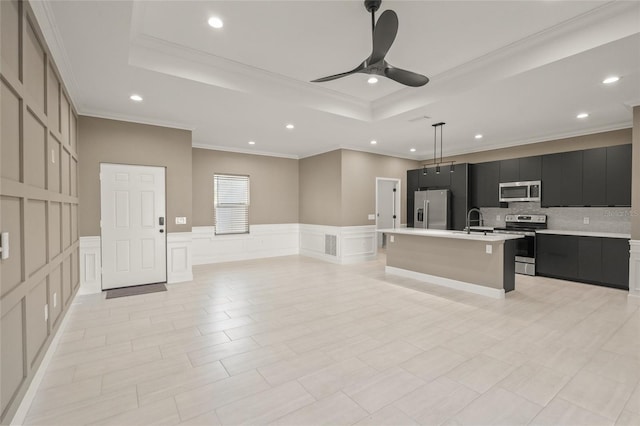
[(484, 184), (551, 180), (572, 178), (459, 204), (413, 182), (619, 175), (594, 177), (530, 168), (557, 256), (590, 259), (433, 180), (615, 262), (510, 170)]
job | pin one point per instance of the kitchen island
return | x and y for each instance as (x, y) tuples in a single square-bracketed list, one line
[(477, 262)]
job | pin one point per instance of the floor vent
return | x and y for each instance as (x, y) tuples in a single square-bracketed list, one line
[(330, 242)]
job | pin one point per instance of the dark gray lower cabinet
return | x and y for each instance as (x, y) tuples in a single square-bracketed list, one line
[(557, 256), (594, 260)]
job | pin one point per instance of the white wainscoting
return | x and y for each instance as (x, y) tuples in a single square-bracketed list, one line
[(353, 243), (634, 270), (263, 241), (179, 257), (90, 265)]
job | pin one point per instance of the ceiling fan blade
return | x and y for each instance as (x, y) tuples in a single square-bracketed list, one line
[(405, 77), (384, 34), (336, 76)]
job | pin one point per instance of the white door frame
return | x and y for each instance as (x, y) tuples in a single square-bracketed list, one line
[(159, 228), (397, 222)]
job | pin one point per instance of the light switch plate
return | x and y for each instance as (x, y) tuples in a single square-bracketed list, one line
[(4, 245), (46, 313), (181, 220), (489, 248), (55, 299), (498, 217), (372, 217), (585, 220), (391, 238)]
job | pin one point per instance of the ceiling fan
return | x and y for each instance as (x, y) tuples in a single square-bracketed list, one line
[(384, 33)]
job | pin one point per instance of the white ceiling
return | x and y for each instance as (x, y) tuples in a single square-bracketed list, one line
[(516, 71)]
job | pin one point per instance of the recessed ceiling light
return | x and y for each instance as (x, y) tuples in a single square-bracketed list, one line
[(252, 143), (478, 136), (582, 115), (412, 150), (372, 80), (611, 79), (290, 126), (374, 142), (136, 98), (215, 22)]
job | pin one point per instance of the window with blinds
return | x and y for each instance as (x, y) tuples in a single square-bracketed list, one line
[(231, 204)]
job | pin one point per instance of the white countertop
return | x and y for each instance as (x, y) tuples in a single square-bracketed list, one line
[(460, 235), (584, 233)]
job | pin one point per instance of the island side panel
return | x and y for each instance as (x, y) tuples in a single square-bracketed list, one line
[(509, 268), (457, 259)]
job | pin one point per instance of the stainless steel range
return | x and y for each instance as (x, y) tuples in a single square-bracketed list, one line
[(525, 225)]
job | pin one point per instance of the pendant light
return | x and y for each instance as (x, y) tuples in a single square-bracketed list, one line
[(437, 163)]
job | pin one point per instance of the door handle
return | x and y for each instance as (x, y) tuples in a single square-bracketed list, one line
[(161, 231)]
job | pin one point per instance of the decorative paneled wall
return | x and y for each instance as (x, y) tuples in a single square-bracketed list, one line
[(38, 201)]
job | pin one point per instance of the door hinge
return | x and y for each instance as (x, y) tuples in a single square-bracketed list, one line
[(100, 223), (100, 174)]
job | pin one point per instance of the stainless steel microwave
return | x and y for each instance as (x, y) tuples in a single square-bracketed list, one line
[(519, 191)]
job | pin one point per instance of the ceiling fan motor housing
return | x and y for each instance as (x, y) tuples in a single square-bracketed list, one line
[(372, 5)]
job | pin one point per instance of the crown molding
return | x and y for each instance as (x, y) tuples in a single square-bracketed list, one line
[(547, 138), (202, 145), (46, 21), (109, 115)]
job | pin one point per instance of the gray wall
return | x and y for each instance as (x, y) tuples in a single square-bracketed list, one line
[(38, 201), (113, 141), (273, 185), (320, 189)]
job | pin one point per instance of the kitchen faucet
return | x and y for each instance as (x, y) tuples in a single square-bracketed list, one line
[(480, 218)]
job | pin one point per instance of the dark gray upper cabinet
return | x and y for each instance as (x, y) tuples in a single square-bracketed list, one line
[(459, 196), (619, 175), (435, 180), (530, 168), (483, 181), (562, 179), (594, 172), (413, 183), (510, 170)]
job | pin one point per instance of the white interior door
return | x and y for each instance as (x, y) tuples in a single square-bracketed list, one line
[(387, 205), (133, 220)]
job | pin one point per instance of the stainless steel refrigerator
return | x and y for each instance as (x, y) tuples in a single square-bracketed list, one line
[(431, 209)]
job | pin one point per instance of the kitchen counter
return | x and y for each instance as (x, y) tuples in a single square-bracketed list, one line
[(477, 263), (585, 233), (460, 235)]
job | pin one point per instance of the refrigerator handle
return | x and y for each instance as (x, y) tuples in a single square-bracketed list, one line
[(426, 214)]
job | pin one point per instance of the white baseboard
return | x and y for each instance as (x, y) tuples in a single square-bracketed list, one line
[(634, 269), (447, 282), (179, 257), (261, 242), (90, 266), (353, 244)]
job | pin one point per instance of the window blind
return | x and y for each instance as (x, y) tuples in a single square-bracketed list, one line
[(231, 204)]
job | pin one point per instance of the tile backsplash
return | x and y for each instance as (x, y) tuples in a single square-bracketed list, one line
[(601, 219)]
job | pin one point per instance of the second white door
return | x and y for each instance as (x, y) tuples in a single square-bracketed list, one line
[(133, 225)]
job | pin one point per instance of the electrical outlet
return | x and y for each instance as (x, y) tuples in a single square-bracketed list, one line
[(55, 299), (585, 220), (181, 220), (489, 248), (46, 313), (392, 238), (498, 218), (372, 217)]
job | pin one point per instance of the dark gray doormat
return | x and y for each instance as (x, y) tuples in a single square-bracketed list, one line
[(133, 291)]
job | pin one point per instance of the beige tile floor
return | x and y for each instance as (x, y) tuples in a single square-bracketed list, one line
[(297, 341)]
